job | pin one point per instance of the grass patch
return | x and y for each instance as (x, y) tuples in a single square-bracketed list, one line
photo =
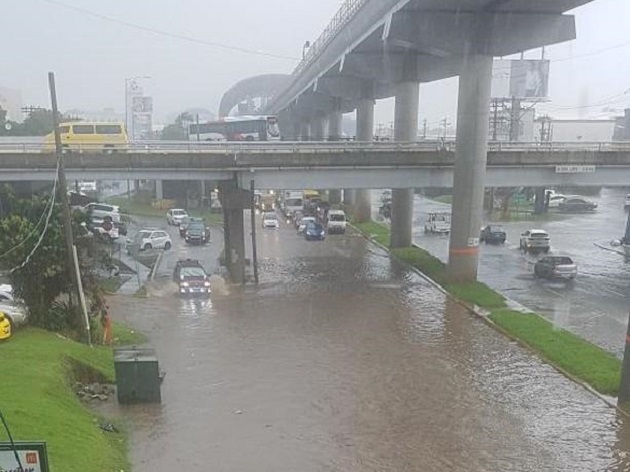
[(376, 231), (578, 357), (423, 261), (124, 336), (447, 199), (478, 294), (39, 404), (111, 284)]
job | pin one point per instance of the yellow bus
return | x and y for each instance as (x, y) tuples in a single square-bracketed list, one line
[(89, 136)]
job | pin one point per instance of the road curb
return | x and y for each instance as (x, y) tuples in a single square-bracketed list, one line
[(483, 315)]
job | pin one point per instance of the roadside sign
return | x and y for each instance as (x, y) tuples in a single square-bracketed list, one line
[(33, 456), (578, 169)]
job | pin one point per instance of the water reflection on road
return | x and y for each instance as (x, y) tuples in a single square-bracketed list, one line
[(344, 361)]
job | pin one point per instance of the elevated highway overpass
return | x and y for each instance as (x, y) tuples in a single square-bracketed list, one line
[(382, 48), (352, 165)]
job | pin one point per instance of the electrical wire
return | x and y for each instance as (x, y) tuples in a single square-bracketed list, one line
[(148, 29), (15, 452), (43, 233), (36, 227)]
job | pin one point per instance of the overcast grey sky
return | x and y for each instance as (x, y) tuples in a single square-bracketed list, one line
[(91, 56)]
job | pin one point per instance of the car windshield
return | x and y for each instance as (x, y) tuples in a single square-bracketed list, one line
[(179, 213), (271, 216), (307, 220), (192, 272), (496, 229), (195, 226), (336, 217)]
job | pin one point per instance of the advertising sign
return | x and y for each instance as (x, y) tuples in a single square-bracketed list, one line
[(33, 457), (523, 79), (142, 104), (529, 79)]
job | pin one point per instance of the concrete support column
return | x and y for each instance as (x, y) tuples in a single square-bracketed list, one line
[(365, 133), (233, 201), (334, 134), (159, 190), (470, 166), (317, 129), (405, 129), (334, 126), (305, 131)]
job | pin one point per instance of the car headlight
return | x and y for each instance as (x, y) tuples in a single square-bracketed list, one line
[(207, 284), (322, 233), (185, 284)]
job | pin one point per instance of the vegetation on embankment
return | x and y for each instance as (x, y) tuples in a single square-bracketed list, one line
[(575, 356), (141, 207), (39, 404)]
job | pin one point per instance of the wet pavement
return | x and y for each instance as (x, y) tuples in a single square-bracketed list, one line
[(595, 305), (342, 360)]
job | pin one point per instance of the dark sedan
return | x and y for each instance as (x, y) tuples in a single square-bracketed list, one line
[(314, 232), (493, 234), (576, 205)]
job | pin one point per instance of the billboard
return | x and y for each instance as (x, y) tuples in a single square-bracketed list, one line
[(142, 104), (33, 457), (523, 78)]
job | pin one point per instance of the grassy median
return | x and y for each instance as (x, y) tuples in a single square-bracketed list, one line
[(579, 358), (139, 207), (39, 404)]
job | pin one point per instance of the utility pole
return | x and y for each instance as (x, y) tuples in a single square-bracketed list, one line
[(515, 119), (197, 122), (445, 124), (424, 129), (624, 387), (62, 190), (495, 118)]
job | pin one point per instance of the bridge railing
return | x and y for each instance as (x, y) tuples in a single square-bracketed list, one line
[(314, 147), (347, 11)]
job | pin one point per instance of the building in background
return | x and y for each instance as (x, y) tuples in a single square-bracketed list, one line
[(108, 115), (11, 102), (622, 127), (557, 130)]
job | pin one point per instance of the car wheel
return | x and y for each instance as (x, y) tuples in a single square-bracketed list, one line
[(147, 246), (167, 246)]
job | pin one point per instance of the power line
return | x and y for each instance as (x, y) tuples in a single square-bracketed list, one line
[(43, 233), (35, 228), (156, 31)]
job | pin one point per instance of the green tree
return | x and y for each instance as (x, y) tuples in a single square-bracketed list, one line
[(40, 277), (177, 131)]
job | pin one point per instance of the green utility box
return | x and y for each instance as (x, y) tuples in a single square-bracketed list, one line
[(137, 375)]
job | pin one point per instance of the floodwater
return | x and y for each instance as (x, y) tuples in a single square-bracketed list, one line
[(595, 305), (344, 361)]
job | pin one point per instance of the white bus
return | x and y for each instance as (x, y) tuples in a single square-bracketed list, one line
[(237, 128)]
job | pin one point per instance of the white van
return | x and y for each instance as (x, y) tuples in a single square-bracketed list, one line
[(336, 222)]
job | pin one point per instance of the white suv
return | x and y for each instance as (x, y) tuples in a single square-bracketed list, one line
[(176, 216), (101, 210), (535, 240), (152, 239)]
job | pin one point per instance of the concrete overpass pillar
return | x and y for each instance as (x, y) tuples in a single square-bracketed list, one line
[(159, 190), (305, 131), (234, 200), (405, 129), (334, 134), (470, 167), (317, 129), (365, 133)]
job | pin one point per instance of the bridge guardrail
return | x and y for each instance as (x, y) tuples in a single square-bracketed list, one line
[(345, 13), (314, 147)]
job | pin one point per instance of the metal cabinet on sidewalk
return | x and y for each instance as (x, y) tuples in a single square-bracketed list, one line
[(137, 375)]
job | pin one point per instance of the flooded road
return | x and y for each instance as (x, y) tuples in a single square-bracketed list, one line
[(594, 306), (344, 361)]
